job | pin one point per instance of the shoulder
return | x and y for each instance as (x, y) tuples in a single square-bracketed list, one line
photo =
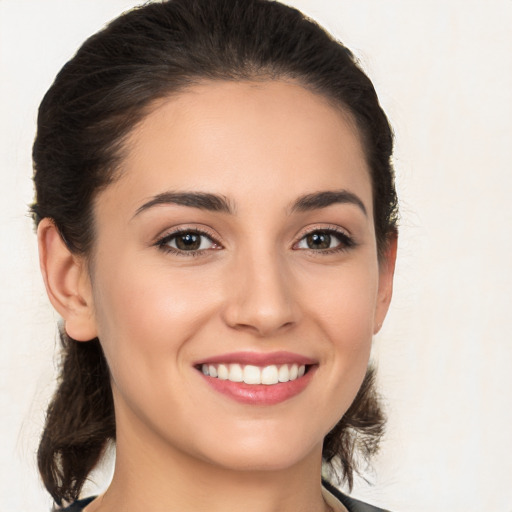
[(79, 505), (351, 504)]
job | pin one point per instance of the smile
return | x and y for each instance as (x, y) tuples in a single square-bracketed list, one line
[(250, 374), (260, 379)]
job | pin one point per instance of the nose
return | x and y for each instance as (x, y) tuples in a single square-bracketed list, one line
[(260, 296)]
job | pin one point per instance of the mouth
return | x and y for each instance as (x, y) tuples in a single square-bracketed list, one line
[(258, 379), (254, 375)]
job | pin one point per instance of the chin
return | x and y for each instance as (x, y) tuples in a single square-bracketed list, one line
[(262, 454)]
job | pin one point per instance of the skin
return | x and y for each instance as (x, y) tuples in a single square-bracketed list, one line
[(258, 288)]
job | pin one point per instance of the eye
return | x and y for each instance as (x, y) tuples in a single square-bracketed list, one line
[(187, 241), (326, 240)]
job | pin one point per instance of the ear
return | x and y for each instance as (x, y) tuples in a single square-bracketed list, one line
[(386, 273), (67, 282)]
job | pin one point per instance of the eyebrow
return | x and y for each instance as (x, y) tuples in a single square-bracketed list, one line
[(327, 198), (218, 203), (201, 200)]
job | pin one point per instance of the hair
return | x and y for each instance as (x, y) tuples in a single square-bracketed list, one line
[(100, 95)]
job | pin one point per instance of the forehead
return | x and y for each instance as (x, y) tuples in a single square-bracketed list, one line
[(271, 139)]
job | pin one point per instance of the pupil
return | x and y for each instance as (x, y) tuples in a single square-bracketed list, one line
[(188, 242), (319, 241)]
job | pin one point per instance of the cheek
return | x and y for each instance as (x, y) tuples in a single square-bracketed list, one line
[(344, 309), (146, 313), (344, 301), (145, 322)]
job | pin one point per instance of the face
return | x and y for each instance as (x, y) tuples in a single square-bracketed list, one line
[(235, 281)]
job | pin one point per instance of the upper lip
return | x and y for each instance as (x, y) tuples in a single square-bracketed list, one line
[(258, 358)]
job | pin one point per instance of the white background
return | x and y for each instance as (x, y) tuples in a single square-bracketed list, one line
[(443, 71)]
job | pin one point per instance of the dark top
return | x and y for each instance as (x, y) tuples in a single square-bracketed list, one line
[(79, 505), (351, 504)]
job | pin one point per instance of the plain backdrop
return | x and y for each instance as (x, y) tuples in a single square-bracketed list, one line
[(443, 71)]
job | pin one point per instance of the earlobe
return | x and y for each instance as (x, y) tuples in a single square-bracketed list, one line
[(386, 274), (67, 282)]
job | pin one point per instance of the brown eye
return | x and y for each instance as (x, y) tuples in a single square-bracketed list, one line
[(325, 240), (318, 240), (187, 241)]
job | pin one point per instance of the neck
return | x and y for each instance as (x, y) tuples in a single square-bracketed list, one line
[(152, 476)]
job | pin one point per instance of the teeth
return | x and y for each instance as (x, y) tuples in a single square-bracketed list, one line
[(222, 372), (235, 373), (250, 374), (270, 375), (283, 374)]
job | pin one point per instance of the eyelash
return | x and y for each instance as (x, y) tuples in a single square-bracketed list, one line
[(163, 243), (345, 241)]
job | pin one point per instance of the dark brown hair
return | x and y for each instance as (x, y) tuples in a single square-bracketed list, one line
[(99, 96)]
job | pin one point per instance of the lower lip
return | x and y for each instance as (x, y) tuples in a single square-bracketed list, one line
[(261, 394)]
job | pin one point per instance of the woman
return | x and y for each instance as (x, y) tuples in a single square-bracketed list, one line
[(217, 228)]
